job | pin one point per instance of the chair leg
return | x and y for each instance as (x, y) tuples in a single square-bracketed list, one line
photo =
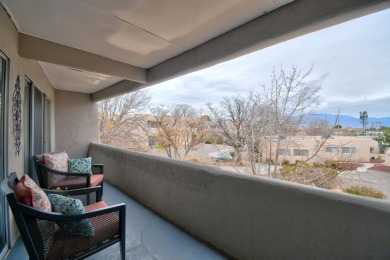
[(123, 248), (122, 218)]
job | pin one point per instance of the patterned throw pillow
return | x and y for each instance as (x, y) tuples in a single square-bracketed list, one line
[(66, 205), (80, 165), (58, 162), (27, 191)]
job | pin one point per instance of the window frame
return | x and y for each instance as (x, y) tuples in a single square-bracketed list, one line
[(348, 149), (301, 152), (332, 148), (285, 152)]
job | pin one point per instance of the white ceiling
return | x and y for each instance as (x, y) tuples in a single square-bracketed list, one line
[(142, 33), (76, 80)]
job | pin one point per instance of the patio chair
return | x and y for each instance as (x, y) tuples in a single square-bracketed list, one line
[(67, 180), (45, 237)]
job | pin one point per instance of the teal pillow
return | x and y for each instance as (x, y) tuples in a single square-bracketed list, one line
[(80, 165), (67, 205)]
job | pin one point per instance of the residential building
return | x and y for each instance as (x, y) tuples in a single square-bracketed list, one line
[(317, 148)]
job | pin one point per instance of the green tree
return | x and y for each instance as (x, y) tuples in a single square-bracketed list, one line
[(384, 139), (364, 120)]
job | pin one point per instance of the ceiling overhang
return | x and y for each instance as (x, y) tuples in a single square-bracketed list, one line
[(288, 22), (34, 48), (119, 46)]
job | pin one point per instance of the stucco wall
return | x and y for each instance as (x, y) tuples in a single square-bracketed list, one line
[(77, 123), (312, 144), (21, 67), (387, 157), (250, 217)]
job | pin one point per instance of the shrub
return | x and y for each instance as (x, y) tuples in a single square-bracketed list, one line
[(233, 154), (269, 161), (365, 191), (158, 147), (214, 140), (287, 169), (332, 164), (317, 164), (285, 162), (379, 157)]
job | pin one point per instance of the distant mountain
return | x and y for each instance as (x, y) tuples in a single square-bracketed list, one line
[(350, 121)]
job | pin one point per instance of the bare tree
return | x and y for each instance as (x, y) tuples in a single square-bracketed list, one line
[(292, 99), (259, 125), (180, 129), (121, 121), (318, 127), (233, 116)]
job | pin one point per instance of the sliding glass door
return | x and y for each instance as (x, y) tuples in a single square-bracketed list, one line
[(37, 114), (3, 215)]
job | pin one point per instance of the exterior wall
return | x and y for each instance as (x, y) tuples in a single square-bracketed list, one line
[(250, 217), (21, 67), (387, 157), (362, 146), (374, 144), (77, 123)]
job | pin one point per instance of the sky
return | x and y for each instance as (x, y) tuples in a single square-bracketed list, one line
[(351, 64)]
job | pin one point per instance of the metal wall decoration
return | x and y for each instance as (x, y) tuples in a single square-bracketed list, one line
[(16, 115)]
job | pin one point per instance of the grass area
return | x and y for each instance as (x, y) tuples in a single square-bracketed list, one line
[(158, 147), (364, 191)]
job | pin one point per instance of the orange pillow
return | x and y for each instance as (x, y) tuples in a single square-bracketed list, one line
[(28, 192), (23, 193)]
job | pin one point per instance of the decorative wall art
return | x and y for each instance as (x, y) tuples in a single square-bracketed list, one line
[(16, 115)]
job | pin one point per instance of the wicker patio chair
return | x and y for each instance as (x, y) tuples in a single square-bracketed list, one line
[(72, 180), (43, 237)]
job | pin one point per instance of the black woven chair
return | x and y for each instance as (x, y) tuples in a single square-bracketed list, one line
[(72, 180), (44, 239)]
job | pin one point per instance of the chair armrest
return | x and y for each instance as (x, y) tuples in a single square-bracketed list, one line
[(87, 196), (52, 216), (97, 168)]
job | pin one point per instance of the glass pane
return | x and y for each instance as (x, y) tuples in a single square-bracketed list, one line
[(27, 128), (349, 149), (46, 126), (284, 151), (37, 128), (2, 126), (332, 149)]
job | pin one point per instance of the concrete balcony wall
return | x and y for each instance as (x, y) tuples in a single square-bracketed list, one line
[(250, 217)]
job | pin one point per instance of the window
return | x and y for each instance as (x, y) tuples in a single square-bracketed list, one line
[(332, 149), (349, 150), (284, 152), (299, 152)]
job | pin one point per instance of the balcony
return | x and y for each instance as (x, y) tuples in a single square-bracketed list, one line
[(239, 216)]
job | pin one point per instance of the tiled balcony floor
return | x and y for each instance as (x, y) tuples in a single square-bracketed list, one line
[(148, 236)]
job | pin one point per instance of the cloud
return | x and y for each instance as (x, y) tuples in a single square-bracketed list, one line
[(351, 65), (378, 107)]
